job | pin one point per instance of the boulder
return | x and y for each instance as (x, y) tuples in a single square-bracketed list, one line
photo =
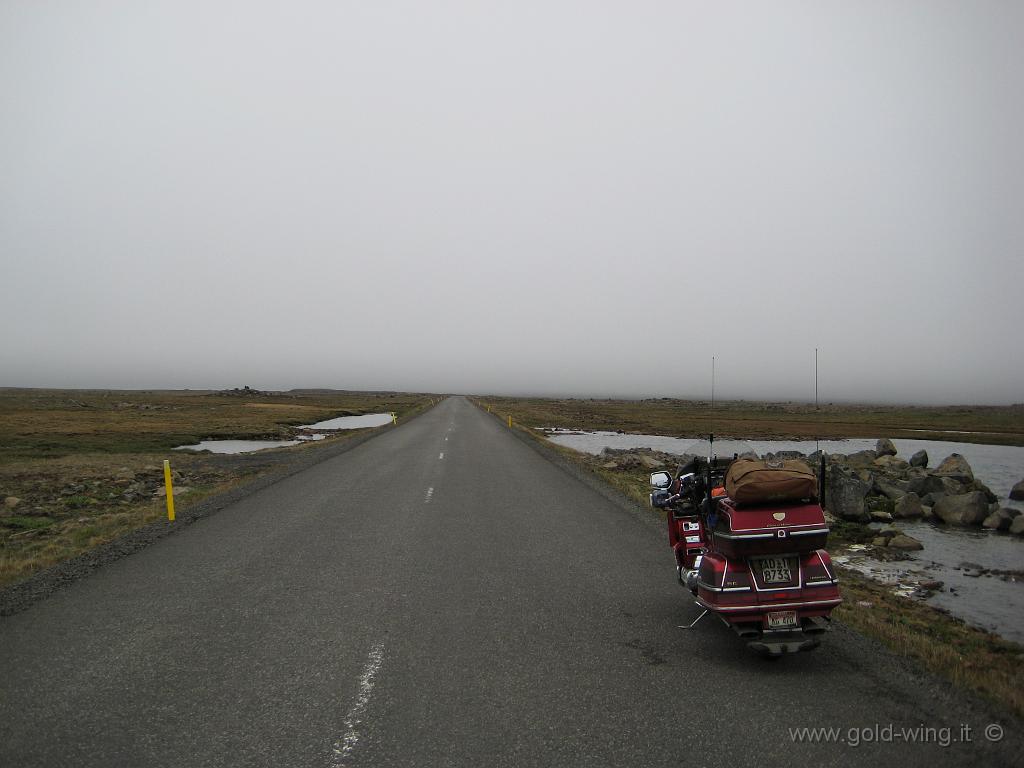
[(964, 509), (946, 486), (1017, 492), (888, 531), (786, 455), (1017, 526), (885, 447), (902, 541), (880, 508), (919, 459), (862, 459), (993, 521), (649, 461), (928, 513), (11, 502), (844, 495), (892, 489), (916, 480), (980, 486), (908, 506), (891, 463), (956, 467), (1001, 519)]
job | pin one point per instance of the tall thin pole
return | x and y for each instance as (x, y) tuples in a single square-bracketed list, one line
[(815, 378), (711, 439), (816, 409)]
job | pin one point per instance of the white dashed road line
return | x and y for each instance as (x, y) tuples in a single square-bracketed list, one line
[(430, 493), (347, 743)]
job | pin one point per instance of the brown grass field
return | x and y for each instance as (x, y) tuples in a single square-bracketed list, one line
[(1002, 425), (86, 466)]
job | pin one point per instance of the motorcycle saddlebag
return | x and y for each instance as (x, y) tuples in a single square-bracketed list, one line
[(756, 481)]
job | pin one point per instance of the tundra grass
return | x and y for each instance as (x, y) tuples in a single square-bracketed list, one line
[(968, 657), (47, 541), (41, 424)]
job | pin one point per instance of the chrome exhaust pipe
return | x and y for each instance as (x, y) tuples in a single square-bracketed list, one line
[(747, 633), (815, 625)]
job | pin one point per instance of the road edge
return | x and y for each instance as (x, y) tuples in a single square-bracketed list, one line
[(555, 456)]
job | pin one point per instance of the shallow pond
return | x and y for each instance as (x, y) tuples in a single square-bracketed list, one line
[(247, 446), (352, 422), (237, 446), (991, 601)]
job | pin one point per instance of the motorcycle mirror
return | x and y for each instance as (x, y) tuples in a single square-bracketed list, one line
[(661, 480)]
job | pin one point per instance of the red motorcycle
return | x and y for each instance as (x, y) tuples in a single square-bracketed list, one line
[(760, 565)]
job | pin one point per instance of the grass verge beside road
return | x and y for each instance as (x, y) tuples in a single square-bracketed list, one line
[(968, 657)]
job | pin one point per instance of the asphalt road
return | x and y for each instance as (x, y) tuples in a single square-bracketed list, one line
[(440, 595)]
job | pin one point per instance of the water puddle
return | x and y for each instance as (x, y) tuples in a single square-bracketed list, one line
[(352, 422), (982, 574), (330, 425), (237, 446)]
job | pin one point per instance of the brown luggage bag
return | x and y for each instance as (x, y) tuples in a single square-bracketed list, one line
[(756, 481)]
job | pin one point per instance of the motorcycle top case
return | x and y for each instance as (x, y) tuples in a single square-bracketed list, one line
[(792, 528), (755, 481)]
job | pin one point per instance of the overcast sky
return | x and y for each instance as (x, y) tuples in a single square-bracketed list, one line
[(586, 198)]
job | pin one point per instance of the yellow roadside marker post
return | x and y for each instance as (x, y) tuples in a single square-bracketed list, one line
[(170, 490), (510, 422), (394, 418)]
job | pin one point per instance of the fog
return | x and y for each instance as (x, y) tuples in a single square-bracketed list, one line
[(580, 198)]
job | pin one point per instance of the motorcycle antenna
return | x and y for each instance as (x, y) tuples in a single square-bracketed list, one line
[(711, 435), (816, 409)]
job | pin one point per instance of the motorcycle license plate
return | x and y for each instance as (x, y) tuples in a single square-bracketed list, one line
[(779, 619), (775, 570)]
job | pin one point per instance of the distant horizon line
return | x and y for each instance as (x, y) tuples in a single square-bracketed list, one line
[(525, 396)]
